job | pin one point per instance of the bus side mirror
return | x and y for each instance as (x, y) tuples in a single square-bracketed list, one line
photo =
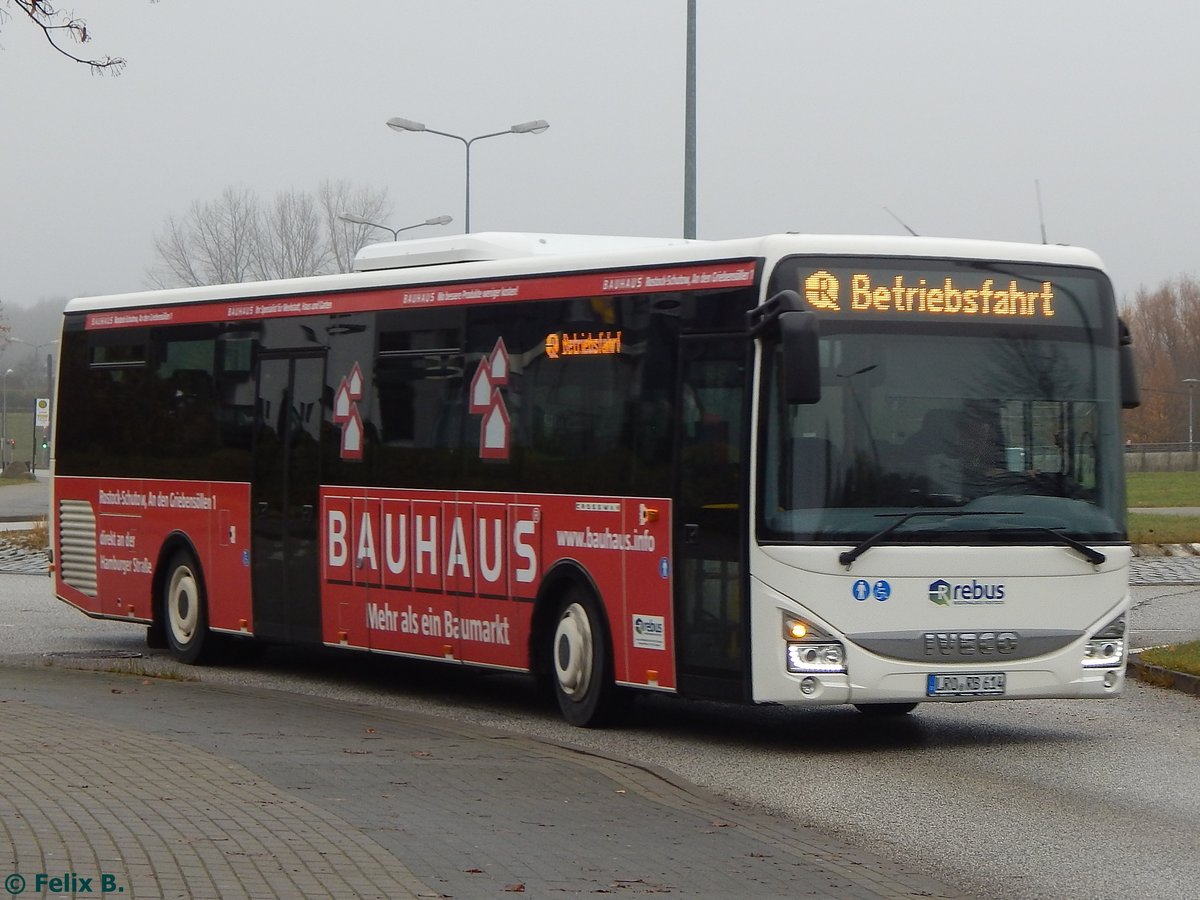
[(799, 342), (1131, 396)]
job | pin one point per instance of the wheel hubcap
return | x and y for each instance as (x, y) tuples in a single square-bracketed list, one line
[(182, 604), (573, 651)]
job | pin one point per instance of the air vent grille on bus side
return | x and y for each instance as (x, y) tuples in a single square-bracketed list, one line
[(77, 540)]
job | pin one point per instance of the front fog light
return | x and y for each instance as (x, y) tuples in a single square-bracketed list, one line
[(1106, 649), (1103, 653), (816, 657)]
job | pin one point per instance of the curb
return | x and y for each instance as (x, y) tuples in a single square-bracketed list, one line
[(1165, 678)]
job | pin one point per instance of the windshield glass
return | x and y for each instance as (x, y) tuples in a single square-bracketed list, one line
[(1013, 418)]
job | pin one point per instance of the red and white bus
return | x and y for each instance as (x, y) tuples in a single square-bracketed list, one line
[(792, 469)]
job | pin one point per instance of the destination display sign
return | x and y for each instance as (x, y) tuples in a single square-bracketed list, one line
[(583, 343), (915, 294)]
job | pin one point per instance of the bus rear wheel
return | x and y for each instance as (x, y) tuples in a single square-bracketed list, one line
[(581, 663), (185, 612)]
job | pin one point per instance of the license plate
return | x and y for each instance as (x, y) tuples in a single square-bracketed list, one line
[(979, 683)]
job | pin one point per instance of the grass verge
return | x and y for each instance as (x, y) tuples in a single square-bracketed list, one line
[(1177, 657), (1148, 528), (1162, 488), (140, 667)]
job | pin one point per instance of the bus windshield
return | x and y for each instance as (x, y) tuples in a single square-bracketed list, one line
[(1012, 419)]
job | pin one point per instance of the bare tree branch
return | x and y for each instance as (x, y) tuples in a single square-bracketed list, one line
[(215, 243), (291, 244), (236, 238), (1165, 325), (56, 26)]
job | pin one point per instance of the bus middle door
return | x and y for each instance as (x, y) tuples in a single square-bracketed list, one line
[(712, 625), (284, 496)]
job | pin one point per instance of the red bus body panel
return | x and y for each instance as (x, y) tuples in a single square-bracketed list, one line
[(133, 518), (440, 574), (454, 574)]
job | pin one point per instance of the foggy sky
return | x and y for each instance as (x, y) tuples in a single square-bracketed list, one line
[(812, 116)]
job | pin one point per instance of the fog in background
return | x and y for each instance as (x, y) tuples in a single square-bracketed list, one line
[(811, 117)]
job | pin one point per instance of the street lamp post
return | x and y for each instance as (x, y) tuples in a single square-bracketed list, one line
[(1191, 383), (689, 126), (4, 429), (536, 126), (359, 220)]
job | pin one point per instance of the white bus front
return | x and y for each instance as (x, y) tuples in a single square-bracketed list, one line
[(947, 520)]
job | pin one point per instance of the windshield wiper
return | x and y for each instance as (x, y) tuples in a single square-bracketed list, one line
[(847, 557), (1091, 554)]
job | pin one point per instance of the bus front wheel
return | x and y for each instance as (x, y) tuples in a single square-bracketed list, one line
[(185, 610), (581, 662)]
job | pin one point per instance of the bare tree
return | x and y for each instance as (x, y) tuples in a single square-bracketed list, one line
[(215, 243), (1165, 326), (338, 198), (291, 242), (60, 27), (236, 238)]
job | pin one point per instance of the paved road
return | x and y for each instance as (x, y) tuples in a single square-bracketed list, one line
[(180, 789), (26, 502), (987, 795), (176, 788), (1024, 774), (1169, 511)]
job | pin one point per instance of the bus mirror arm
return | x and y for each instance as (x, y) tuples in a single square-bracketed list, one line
[(785, 316), (1131, 395)]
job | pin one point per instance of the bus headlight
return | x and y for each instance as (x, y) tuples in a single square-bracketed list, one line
[(810, 650), (816, 658), (1106, 649)]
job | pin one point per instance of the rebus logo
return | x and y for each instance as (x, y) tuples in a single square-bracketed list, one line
[(943, 593), (939, 592), (648, 625)]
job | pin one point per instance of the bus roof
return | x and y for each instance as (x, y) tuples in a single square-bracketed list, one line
[(520, 254)]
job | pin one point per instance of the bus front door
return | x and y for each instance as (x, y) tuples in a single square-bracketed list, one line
[(710, 601), (284, 497)]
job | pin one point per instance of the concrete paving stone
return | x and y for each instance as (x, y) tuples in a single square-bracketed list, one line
[(196, 790), (1165, 570), (43, 796)]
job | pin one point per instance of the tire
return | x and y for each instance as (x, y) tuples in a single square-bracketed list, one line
[(581, 663), (185, 609), (885, 709)]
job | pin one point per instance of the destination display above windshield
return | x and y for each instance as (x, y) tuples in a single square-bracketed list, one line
[(961, 294)]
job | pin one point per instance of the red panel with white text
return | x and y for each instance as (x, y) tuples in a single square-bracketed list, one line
[(454, 574), (109, 533)]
